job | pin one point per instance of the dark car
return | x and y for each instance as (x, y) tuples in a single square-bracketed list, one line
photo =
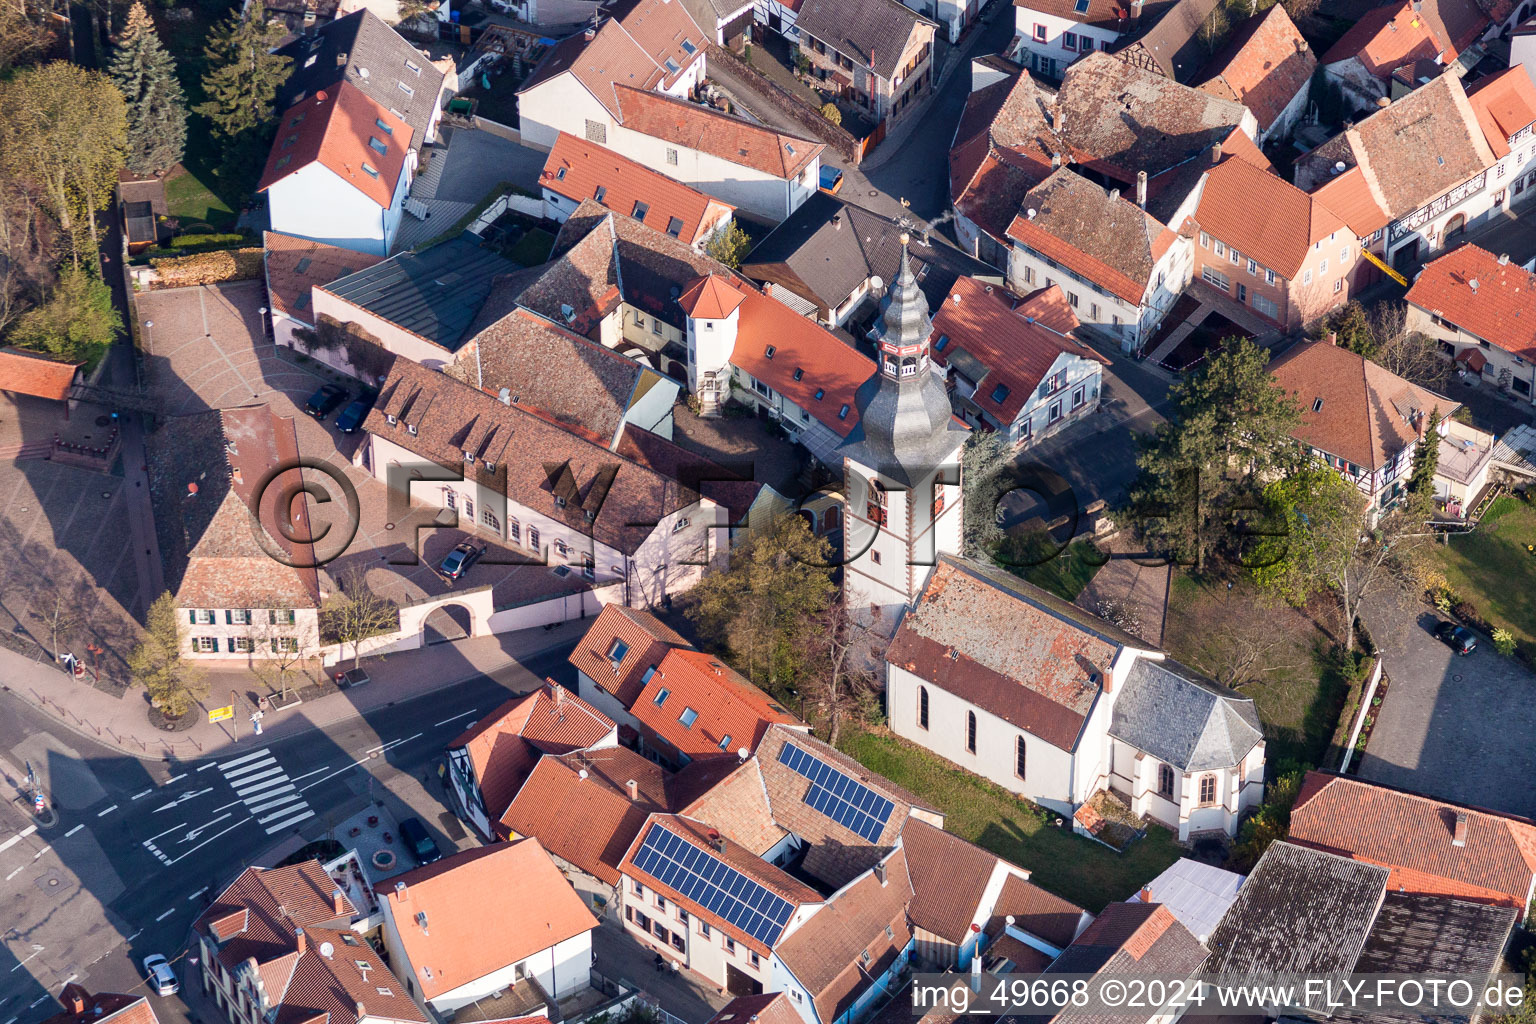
[(422, 846), (458, 561), (353, 415), (323, 401), (1459, 638)]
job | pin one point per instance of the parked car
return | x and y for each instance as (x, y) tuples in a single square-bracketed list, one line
[(831, 179), (1459, 638), (157, 971), (353, 415), (421, 844), (458, 561), (323, 401)]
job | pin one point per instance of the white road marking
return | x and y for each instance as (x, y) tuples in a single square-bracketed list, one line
[(210, 764), (13, 874), (383, 746), (289, 797), (245, 793), (39, 853), (227, 765), (108, 811), (290, 822), (264, 761), (205, 842), (134, 935), (165, 915), (167, 832), (317, 771), (193, 833), (36, 1001), (230, 804), (257, 771), (455, 718), (335, 773), (174, 778), (18, 837), (197, 894), (34, 953), (140, 796), (183, 799), (72, 831), (71, 978), (280, 813)]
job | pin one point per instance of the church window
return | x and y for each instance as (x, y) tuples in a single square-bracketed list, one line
[(1165, 780), (922, 707), (1207, 790), (970, 731)]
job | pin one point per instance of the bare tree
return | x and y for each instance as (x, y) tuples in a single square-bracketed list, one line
[(1409, 354), (279, 649), (354, 613), (845, 676), (58, 604)]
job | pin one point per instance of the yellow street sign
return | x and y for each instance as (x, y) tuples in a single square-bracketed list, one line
[(220, 714)]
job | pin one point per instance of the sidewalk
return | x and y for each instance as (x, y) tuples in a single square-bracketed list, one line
[(123, 723)]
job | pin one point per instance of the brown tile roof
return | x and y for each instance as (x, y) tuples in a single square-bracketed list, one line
[(1501, 311), (873, 33), (724, 485), (255, 916), (1026, 959), (334, 988), (580, 286), (464, 892), (1172, 41), (1351, 407), (33, 373), (738, 807), (632, 46), (1414, 836), (1349, 194), (837, 954), (1016, 340), (647, 637), (768, 1008), (1109, 241), (1264, 216), (710, 298), (81, 1007), (949, 879), (1103, 13), (576, 169), (1045, 683), (339, 129), (1505, 104), (720, 135), (1386, 38), (697, 835), (1263, 66), (1129, 938), (1461, 22), (728, 712), (504, 745), (451, 418), (1037, 912), (576, 383), (295, 265)]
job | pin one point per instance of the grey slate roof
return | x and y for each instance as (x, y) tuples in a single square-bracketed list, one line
[(362, 42), (1196, 893), (1183, 719), (871, 32), (434, 294), (1300, 911)]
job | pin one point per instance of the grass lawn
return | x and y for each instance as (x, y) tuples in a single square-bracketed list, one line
[(1075, 868), (1065, 574), (195, 203), (1288, 672), (1491, 568)]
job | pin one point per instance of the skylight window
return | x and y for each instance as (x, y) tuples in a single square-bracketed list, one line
[(672, 66), (618, 650), (372, 172), (689, 48), (770, 351), (688, 717), (601, 193), (661, 696), (560, 174), (303, 265), (675, 227), (821, 393), (377, 146), (406, 89), (938, 346), (290, 140), (640, 210), (725, 742), (1317, 405), (1000, 392), (282, 162), (412, 66), (842, 413), (799, 373), (1081, 7), (386, 129)]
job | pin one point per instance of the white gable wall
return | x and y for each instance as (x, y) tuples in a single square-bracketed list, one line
[(316, 203)]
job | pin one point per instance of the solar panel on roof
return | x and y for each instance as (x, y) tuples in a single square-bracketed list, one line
[(709, 882), (846, 801)]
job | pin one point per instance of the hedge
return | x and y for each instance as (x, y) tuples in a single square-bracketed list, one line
[(205, 241), (208, 268)]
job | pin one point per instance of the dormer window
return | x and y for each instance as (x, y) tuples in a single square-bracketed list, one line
[(842, 413), (390, 418), (411, 429), (490, 467), (559, 502), (769, 351), (469, 457)]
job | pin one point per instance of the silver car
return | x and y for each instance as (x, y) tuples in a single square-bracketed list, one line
[(157, 971)]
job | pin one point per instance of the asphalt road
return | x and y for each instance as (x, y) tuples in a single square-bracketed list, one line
[(139, 844)]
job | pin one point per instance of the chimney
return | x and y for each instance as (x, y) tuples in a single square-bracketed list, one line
[(837, 222), (975, 974), (1141, 189), (880, 873), (341, 60), (1135, 11), (1114, 194), (1215, 153), (362, 1011), (239, 477), (76, 999), (299, 942), (400, 891), (716, 840), (1459, 837), (338, 902), (1055, 160), (1146, 894), (1420, 422), (633, 789), (590, 34), (1503, 259), (1333, 337)]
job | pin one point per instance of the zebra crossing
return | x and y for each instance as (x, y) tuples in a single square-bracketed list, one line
[(265, 789)]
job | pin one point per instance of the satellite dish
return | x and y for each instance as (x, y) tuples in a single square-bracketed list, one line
[(877, 282), (582, 774), (326, 949), (1030, 213), (741, 752)]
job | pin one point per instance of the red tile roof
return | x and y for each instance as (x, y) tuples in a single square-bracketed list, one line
[(1264, 216), (1264, 65), (647, 637), (258, 912), (295, 265), (1501, 311), (33, 373), (81, 1007), (768, 1008), (1386, 38), (1349, 194), (710, 298), (1504, 104), (1018, 341), (477, 923), (340, 129), (1413, 835), (728, 712), (333, 989), (729, 138), (577, 169)]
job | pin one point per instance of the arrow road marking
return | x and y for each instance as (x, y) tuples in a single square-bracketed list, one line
[(195, 832), (183, 799)]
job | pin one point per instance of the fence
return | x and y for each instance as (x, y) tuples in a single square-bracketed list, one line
[(167, 748), (1365, 707)]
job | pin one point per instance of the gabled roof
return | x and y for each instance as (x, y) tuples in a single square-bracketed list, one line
[(645, 638), (1015, 341), (949, 878), (701, 707), (475, 922), (738, 806), (768, 1008), (854, 939), (1461, 22), (1129, 938), (1173, 42), (339, 988), (1183, 719), (1106, 239), (1505, 104), (578, 169), (1502, 308), (81, 1007), (1386, 38), (1350, 195), (361, 50), (1040, 913), (347, 133), (255, 916), (433, 294), (36, 373), (1353, 408), (1414, 836), (646, 43), (1045, 682), (296, 265), (997, 155), (729, 138), (1196, 893), (1263, 66), (875, 33)]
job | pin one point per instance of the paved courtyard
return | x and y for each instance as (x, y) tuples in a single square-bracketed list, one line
[(1451, 727)]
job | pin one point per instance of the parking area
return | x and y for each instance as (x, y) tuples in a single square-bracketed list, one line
[(1452, 727)]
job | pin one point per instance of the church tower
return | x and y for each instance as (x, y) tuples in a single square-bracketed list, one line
[(901, 465)]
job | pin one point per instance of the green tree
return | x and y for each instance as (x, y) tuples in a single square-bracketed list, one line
[(984, 479), (1229, 431), (1353, 327), (175, 683), (242, 81), (730, 246), (1271, 821), (765, 606), (65, 128), (157, 114), (1426, 462), (76, 322)]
